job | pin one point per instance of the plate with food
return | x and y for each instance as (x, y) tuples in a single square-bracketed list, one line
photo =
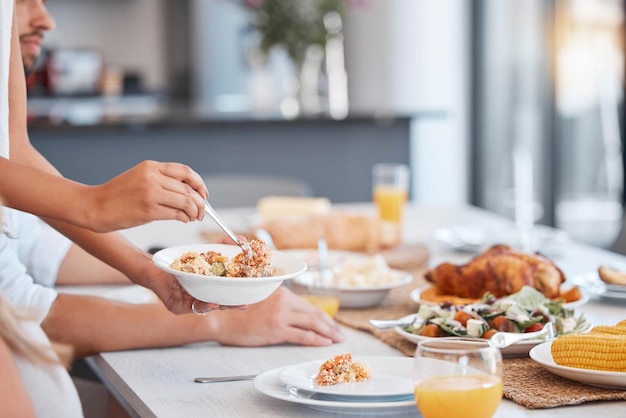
[(268, 384), (335, 257), (429, 294), (343, 377), (362, 282), (546, 355), (219, 273), (525, 311), (501, 271)]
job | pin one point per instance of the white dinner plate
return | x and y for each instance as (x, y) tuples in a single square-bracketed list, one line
[(391, 380), (542, 354), (335, 257), (592, 284), (417, 298), (268, 384), (520, 348)]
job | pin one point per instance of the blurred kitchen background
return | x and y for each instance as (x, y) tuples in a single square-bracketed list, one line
[(478, 96)]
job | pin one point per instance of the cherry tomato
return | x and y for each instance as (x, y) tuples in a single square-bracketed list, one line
[(462, 317), (501, 323), (488, 334), (430, 330), (534, 327)]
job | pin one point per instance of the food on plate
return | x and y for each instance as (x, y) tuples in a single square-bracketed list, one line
[(525, 311), (342, 369), (604, 348), (612, 275), (370, 271), (342, 231), (211, 263), (500, 271)]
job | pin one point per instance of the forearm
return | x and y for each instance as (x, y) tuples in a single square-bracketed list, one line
[(79, 267), (92, 324)]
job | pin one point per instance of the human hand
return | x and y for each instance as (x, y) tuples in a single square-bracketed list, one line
[(281, 318), (177, 300), (147, 192)]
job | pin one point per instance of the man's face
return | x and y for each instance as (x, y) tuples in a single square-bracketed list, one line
[(33, 20)]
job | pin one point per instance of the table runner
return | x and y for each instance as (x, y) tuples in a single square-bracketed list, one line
[(525, 382)]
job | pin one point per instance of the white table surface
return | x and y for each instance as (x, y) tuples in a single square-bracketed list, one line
[(159, 382)]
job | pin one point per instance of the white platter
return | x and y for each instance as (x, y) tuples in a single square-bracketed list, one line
[(542, 354), (392, 379), (417, 292), (269, 384), (521, 348)]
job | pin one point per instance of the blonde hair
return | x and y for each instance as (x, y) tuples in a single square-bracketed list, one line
[(19, 343)]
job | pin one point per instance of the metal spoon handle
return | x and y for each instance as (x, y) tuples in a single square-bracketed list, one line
[(213, 214)]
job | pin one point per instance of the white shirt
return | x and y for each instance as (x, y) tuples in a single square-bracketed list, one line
[(6, 22), (15, 282), (41, 248)]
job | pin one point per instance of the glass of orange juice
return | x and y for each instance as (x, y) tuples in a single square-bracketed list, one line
[(456, 377), (390, 191)]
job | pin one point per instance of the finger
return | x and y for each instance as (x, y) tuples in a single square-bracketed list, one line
[(186, 175), (200, 308), (233, 308), (321, 324), (182, 197)]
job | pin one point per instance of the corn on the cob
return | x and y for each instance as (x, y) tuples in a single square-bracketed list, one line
[(621, 323), (607, 329), (593, 351)]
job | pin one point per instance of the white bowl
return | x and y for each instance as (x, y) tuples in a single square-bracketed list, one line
[(361, 296), (228, 291)]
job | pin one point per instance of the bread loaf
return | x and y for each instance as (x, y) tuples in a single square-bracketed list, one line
[(273, 207), (342, 231)]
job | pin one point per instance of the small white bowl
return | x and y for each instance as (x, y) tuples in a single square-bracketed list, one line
[(361, 296), (228, 291)]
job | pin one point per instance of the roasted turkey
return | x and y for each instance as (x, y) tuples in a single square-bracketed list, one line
[(499, 270)]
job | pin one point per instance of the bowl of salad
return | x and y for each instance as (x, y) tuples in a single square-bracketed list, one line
[(525, 311)]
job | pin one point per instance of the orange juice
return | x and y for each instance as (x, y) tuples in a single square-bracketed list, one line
[(329, 304), (469, 396), (390, 202)]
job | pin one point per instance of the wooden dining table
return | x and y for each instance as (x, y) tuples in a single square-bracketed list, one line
[(160, 382)]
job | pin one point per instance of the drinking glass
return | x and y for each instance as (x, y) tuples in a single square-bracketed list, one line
[(390, 191), (321, 291), (456, 377)]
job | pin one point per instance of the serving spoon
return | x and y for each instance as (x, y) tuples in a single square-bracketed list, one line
[(245, 247)]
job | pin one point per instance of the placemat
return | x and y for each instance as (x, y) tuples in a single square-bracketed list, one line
[(525, 382)]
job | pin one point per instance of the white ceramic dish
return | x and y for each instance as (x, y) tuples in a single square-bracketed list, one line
[(592, 284), (521, 348), (542, 354), (269, 384), (391, 380), (417, 292), (362, 296), (229, 291), (335, 257)]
